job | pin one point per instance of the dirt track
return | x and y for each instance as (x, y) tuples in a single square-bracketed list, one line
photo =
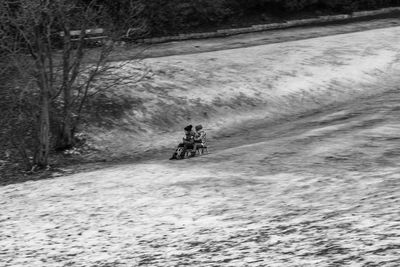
[(321, 189)]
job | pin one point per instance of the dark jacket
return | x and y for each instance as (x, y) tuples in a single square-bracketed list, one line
[(189, 138)]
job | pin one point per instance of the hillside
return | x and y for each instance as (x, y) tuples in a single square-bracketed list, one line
[(320, 187), (222, 89)]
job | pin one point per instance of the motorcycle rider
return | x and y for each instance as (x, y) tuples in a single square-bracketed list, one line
[(187, 143)]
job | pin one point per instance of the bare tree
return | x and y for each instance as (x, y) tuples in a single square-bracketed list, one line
[(45, 44), (25, 28)]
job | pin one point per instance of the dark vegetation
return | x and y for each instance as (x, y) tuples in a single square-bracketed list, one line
[(47, 87), (161, 17)]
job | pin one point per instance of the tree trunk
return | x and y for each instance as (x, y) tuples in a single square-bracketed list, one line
[(42, 154), (65, 138)]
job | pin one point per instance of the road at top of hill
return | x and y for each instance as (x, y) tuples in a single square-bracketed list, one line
[(249, 39)]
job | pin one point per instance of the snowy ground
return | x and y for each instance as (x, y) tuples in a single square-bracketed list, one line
[(223, 88), (318, 189)]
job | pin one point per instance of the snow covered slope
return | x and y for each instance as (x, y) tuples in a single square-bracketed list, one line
[(321, 190), (223, 88)]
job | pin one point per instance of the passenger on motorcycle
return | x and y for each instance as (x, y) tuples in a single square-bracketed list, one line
[(199, 139)]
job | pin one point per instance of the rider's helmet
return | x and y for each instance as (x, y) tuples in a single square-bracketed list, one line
[(188, 128), (198, 127)]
